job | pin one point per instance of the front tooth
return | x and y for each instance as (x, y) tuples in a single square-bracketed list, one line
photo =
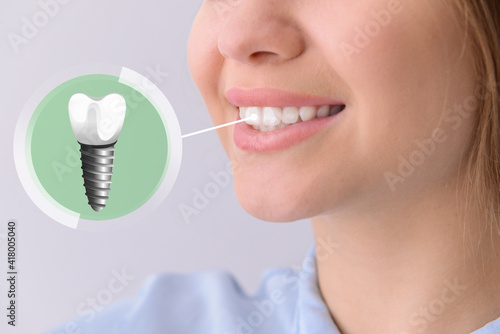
[(271, 116), (307, 113), (97, 121), (324, 111), (290, 115), (250, 111)]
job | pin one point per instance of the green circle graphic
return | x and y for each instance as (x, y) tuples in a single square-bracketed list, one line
[(141, 152)]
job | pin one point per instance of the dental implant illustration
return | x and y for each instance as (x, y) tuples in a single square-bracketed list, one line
[(97, 123)]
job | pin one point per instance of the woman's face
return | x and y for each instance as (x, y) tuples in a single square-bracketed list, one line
[(397, 68)]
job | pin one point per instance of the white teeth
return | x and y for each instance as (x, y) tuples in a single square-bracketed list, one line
[(307, 113), (272, 118), (324, 111), (250, 112), (290, 115)]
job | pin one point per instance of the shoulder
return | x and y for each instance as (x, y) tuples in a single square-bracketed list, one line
[(202, 302), (215, 299), (219, 284)]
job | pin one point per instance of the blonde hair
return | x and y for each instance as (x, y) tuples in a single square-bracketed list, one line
[(482, 22)]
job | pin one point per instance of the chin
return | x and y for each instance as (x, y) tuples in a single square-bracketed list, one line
[(266, 204)]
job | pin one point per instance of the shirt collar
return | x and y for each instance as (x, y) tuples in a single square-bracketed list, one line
[(312, 316)]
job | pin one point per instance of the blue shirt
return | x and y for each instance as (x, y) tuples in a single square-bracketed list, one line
[(212, 302)]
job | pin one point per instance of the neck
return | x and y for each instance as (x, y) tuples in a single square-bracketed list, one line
[(421, 267)]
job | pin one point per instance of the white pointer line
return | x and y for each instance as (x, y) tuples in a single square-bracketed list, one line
[(219, 126)]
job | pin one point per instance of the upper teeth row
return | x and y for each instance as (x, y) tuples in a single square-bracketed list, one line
[(271, 118)]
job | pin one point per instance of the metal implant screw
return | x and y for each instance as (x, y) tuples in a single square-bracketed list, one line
[(97, 123), (97, 166)]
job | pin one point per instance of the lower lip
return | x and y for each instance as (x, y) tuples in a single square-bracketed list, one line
[(248, 139)]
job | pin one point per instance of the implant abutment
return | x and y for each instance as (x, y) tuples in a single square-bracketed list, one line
[(97, 166)]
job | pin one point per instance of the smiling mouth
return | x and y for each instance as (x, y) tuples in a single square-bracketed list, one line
[(266, 119), (279, 119)]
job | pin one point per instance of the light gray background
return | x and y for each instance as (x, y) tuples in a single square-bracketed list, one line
[(60, 268)]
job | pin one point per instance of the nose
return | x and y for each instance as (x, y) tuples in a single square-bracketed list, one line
[(260, 31)]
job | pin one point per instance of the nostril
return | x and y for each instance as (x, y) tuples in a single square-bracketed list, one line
[(263, 56)]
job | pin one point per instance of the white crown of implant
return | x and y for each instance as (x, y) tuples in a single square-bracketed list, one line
[(97, 121)]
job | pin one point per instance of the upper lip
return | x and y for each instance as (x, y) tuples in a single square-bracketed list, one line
[(271, 97)]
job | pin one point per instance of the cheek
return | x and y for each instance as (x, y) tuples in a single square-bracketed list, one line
[(205, 63), (403, 78), (204, 58)]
